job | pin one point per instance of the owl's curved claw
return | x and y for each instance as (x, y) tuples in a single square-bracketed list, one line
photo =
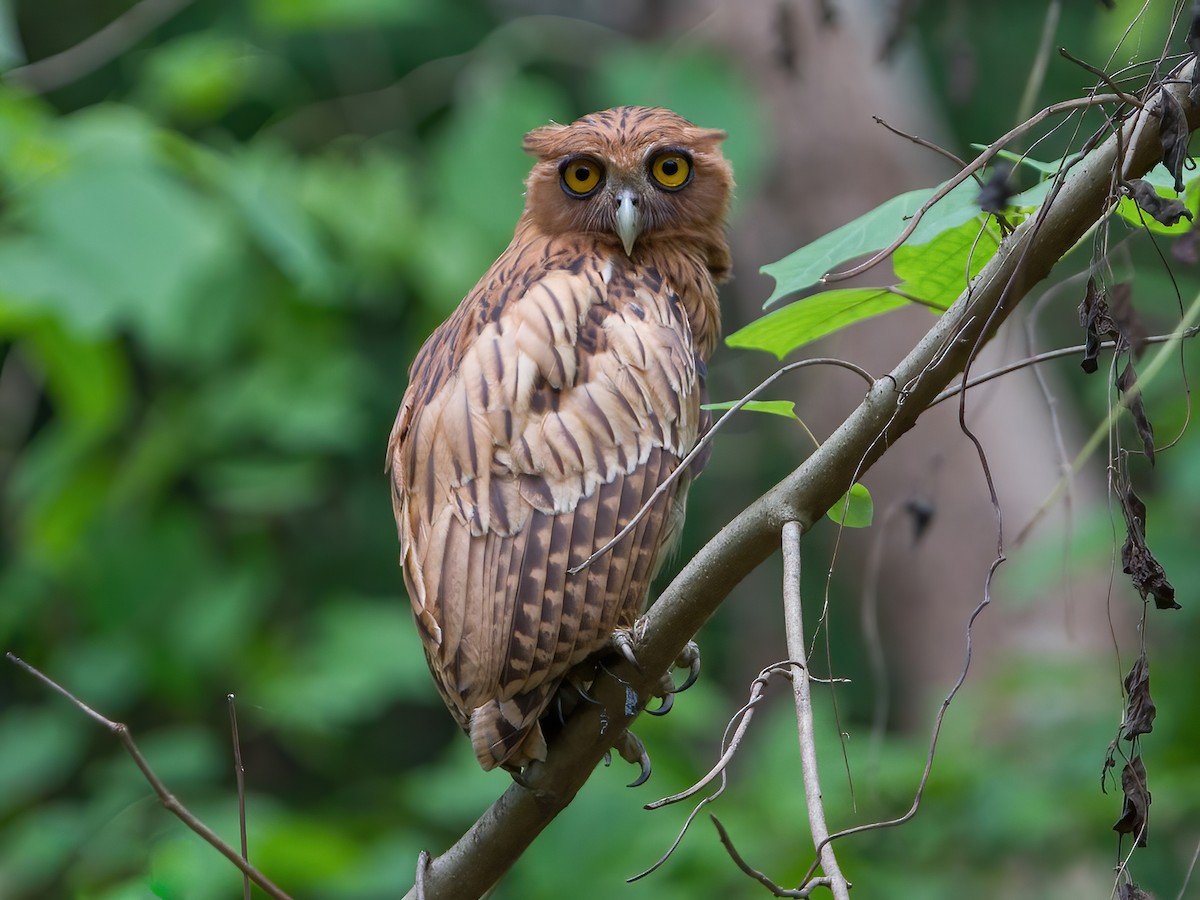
[(520, 776), (622, 641), (633, 750), (689, 657), (668, 700)]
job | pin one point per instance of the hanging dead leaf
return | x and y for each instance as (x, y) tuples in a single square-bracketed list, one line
[(1135, 811), (1126, 385), (1094, 317), (1173, 134), (1147, 575), (1132, 892), (1151, 202), (1139, 708)]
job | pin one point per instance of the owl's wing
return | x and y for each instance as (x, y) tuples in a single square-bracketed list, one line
[(534, 428)]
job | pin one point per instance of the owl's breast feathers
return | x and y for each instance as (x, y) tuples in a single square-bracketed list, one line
[(539, 418)]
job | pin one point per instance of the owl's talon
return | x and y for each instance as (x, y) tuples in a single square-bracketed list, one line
[(668, 700), (689, 657), (622, 641), (633, 750)]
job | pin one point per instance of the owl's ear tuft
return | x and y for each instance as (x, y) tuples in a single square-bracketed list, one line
[(542, 142), (708, 135)]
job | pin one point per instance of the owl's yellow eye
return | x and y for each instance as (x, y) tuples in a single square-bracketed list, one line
[(581, 176), (671, 170)]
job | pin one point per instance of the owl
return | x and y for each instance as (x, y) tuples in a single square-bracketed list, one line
[(543, 414)]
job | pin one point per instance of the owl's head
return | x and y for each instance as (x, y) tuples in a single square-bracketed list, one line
[(630, 175)]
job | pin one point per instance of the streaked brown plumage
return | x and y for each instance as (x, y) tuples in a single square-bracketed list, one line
[(545, 411)]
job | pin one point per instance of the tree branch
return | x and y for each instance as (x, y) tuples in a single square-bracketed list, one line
[(802, 687), (891, 407)]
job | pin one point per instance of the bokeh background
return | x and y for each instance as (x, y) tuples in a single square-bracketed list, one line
[(225, 228)]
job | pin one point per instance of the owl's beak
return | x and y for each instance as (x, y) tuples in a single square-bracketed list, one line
[(629, 220)]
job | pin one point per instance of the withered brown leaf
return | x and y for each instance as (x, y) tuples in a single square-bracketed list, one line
[(1147, 575), (1135, 810), (1093, 316), (1126, 383), (1139, 708), (1132, 892), (1162, 209), (1173, 134)]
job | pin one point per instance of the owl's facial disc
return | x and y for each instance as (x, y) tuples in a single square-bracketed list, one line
[(628, 218)]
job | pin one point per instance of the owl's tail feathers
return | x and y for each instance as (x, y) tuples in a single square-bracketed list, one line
[(506, 732)]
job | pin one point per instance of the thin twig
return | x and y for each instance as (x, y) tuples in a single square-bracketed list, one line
[(165, 796), (1185, 329), (708, 436), (240, 773), (794, 629), (742, 717), (687, 823), (976, 164), (1047, 356), (729, 748), (1100, 73), (806, 891), (95, 50), (928, 145)]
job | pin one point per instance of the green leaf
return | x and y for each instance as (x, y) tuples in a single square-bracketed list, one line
[(112, 239), (199, 77), (262, 186), (785, 408), (872, 232), (1046, 168), (938, 272), (854, 509), (804, 321)]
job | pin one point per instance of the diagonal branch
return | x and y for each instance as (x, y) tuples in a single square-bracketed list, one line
[(891, 407)]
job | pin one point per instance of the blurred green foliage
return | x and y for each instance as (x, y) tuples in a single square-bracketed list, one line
[(219, 251)]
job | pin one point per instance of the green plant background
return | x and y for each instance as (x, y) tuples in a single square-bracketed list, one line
[(218, 254)]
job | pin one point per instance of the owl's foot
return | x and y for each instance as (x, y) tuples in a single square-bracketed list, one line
[(633, 750), (623, 640)]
